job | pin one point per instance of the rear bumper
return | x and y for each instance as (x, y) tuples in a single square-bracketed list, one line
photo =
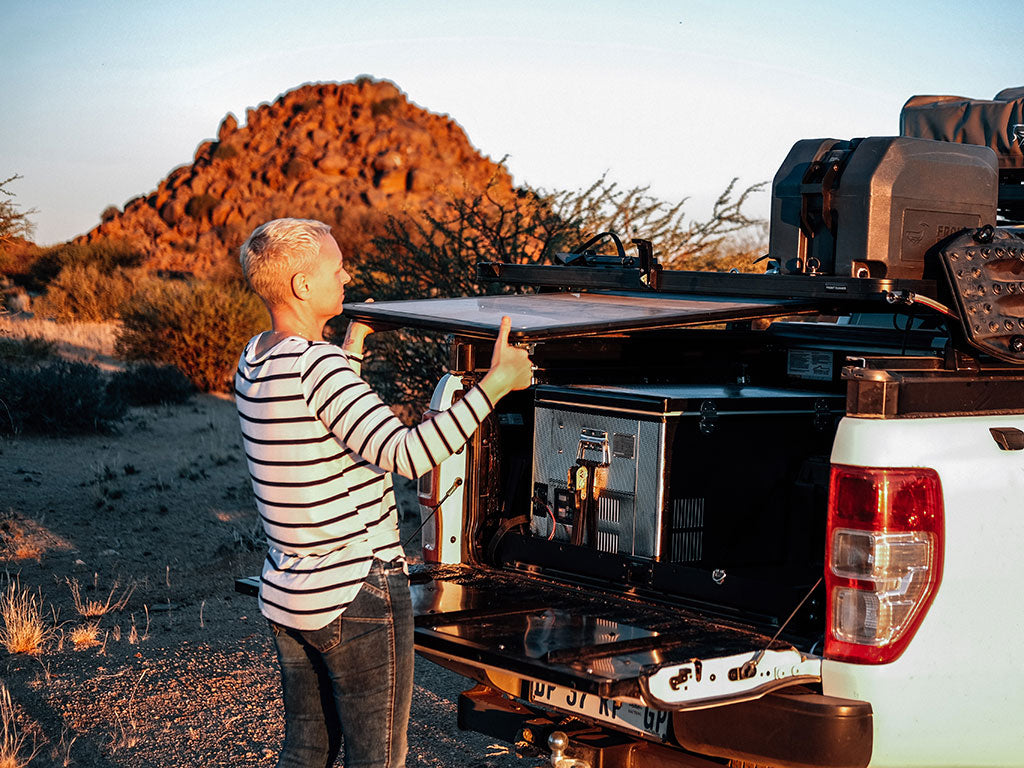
[(793, 729)]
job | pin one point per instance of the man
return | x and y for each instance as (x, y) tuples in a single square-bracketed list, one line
[(321, 447)]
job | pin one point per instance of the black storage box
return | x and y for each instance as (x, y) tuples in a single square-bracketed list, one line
[(708, 476), (873, 207)]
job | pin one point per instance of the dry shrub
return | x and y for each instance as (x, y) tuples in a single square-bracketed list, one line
[(23, 626), (106, 255), (94, 609), (13, 744), (88, 293), (17, 257), (150, 384), (22, 538), (85, 636), (16, 542), (29, 349), (197, 326), (59, 397)]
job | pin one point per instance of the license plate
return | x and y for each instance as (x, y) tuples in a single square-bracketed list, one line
[(625, 714)]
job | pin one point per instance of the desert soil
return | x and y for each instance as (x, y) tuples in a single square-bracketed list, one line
[(184, 674)]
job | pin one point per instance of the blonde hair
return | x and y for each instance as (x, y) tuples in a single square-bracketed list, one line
[(277, 250)]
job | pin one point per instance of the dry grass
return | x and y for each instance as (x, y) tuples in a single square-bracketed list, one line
[(14, 751), (85, 636), (24, 539), (60, 754), (23, 626), (77, 341), (94, 609), (125, 735)]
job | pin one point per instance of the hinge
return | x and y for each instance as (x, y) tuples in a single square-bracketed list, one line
[(822, 414), (708, 417)]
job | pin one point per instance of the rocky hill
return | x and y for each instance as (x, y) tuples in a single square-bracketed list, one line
[(349, 154)]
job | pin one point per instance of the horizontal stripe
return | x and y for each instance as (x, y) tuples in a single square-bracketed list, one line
[(317, 544), (321, 502), (273, 399), (304, 611), (309, 523), (281, 420), (331, 567), (347, 408), (269, 377), (310, 483), (298, 462), (293, 441), (314, 590), (490, 405), (334, 395)]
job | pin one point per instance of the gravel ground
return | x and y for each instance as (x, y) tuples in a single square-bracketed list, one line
[(184, 674)]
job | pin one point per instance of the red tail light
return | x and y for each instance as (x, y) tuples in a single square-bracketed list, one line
[(883, 559)]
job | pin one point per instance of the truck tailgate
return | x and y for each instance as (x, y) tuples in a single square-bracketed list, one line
[(597, 643)]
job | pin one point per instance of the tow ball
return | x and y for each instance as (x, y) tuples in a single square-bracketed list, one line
[(559, 742)]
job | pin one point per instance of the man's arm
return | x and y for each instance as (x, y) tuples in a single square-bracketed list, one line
[(354, 413), (352, 346)]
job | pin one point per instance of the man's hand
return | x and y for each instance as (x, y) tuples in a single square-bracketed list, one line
[(510, 366), (356, 335)]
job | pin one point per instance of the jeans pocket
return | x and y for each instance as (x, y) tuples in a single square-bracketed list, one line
[(325, 638), (372, 603)]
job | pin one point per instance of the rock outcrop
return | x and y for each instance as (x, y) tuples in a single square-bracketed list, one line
[(349, 154)]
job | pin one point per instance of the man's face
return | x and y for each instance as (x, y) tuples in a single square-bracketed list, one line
[(329, 279)]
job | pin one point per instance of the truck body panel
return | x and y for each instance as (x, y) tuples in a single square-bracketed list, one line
[(943, 691)]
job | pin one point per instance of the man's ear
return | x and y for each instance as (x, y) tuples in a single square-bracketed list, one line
[(300, 286)]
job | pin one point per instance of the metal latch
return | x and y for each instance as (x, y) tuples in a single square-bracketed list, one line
[(822, 414), (593, 448)]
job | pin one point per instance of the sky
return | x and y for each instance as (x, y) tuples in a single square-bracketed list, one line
[(102, 99)]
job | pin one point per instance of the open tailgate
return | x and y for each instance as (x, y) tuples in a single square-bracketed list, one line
[(551, 315), (609, 646)]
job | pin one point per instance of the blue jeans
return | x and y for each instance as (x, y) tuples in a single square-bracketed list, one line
[(351, 680)]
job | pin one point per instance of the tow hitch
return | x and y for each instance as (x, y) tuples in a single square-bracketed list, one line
[(559, 742)]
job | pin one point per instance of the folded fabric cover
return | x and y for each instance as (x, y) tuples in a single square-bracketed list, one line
[(998, 123)]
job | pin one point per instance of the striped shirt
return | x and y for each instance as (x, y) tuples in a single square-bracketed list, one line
[(320, 446)]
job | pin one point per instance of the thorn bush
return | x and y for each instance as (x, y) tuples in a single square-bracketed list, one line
[(152, 384), (30, 349), (88, 293), (105, 255), (57, 397), (197, 326)]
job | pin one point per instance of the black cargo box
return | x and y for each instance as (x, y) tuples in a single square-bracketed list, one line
[(873, 207)]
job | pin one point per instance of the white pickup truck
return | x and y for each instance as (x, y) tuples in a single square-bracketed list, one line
[(764, 519)]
